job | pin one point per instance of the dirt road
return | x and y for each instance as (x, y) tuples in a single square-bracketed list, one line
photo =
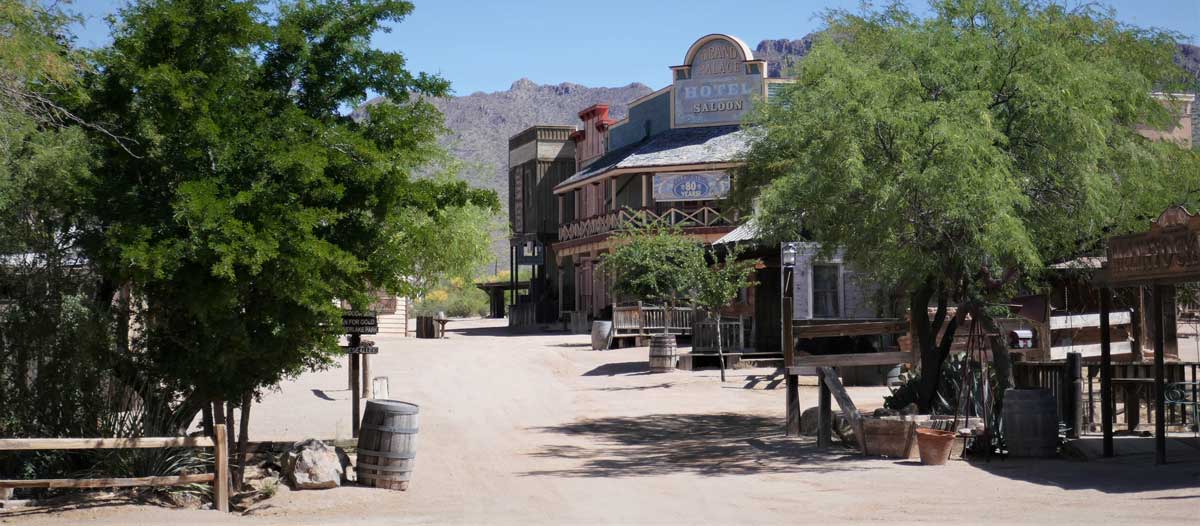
[(540, 429)]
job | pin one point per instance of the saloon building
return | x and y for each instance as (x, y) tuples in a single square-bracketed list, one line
[(669, 160)]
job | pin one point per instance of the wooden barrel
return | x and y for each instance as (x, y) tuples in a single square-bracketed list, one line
[(1030, 423), (662, 353), (601, 335), (426, 327), (387, 444)]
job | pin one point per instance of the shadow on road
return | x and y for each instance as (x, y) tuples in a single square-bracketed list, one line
[(620, 368), (664, 385), (58, 505), (705, 444), (1106, 476)]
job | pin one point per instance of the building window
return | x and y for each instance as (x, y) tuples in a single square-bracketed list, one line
[(825, 291)]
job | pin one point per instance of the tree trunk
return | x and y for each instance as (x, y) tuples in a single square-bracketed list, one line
[(720, 347), (1001, 361), (933, 352), (243, 441), (206, 421), (230, 444), (218, 412)]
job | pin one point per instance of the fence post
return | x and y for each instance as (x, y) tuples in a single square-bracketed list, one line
[(221, 475), (1073, 389)]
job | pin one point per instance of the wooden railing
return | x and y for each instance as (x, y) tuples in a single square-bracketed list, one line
[(219, 478), (631, 218), (646, 320), (1055, 376), (704, 336)]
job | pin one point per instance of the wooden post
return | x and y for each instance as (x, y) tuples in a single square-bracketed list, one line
[(1106, 398), (824, 411), (1074, 392), (221, 480), (367, 390), (829, 380), (1137, 325), (791, 381), (355, 341), (1160, 421)]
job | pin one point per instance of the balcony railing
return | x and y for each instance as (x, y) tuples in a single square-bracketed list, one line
[(630, 218)]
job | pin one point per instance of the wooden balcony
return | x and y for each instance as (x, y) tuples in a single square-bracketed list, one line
[(632, 218)]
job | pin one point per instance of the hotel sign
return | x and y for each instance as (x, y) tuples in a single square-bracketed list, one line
[(719, 84), (699, 186), (1169, 252)]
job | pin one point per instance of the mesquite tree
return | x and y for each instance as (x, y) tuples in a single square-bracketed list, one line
[(957, 155), (242, 197), (654, 263), (717, 285)]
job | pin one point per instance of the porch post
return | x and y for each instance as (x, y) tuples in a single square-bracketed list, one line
[(1160, 422), (1106, 402)]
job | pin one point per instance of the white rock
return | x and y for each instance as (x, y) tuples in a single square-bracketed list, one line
[(313, 465)]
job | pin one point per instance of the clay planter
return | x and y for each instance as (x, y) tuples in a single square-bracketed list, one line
[(934, 446)]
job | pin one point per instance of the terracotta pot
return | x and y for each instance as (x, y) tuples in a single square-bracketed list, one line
[(934, 446)]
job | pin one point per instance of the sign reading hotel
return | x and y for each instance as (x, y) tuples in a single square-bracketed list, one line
[(699, 186), (1169, 252), (718, 84)]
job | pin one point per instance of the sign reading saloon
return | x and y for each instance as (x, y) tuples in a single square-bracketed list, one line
[(1169, 252), (698, 186), (718, 85)]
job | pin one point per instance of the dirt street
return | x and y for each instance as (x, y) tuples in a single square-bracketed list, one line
[(540, 429)]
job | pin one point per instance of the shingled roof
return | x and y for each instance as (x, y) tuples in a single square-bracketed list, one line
[(675, 147)]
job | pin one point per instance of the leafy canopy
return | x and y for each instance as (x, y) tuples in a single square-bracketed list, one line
[(243, 198), (654, 263), (995, 134)]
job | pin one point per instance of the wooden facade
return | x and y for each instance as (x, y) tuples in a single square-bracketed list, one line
[(539, 158)]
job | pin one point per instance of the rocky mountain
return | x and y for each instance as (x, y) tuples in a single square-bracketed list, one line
[(782, 54), (481, 123)]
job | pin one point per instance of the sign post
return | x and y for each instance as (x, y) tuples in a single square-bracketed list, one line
[(354, 325)]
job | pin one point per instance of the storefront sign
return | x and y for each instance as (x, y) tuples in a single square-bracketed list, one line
[(699, 186), (360, 323), (720, 86), (1169, 252)]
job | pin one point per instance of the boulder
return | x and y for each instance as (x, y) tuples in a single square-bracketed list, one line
[(311, 464), (841, 426)]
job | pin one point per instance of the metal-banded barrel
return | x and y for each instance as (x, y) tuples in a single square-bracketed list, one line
[(602, 335), (387, 444), (662, 353)]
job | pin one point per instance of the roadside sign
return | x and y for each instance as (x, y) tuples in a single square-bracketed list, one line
[(361, 349), (360, 323)]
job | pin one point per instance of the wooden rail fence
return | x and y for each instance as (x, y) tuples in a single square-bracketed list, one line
[(219, 478)]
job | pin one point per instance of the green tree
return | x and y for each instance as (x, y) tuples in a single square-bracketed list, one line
[(718, 285), (654, 263), (956, 155), (243, 197)]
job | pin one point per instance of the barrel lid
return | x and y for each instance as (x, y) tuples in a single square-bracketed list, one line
[(396, 406)]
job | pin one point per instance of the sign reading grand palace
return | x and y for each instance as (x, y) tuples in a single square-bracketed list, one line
[(717, 83), (698, 186), (1169, 252)]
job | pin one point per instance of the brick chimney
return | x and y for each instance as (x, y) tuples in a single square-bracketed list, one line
[(592, 139)]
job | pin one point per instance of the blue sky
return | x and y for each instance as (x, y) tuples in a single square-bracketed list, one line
[(484, 45)]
